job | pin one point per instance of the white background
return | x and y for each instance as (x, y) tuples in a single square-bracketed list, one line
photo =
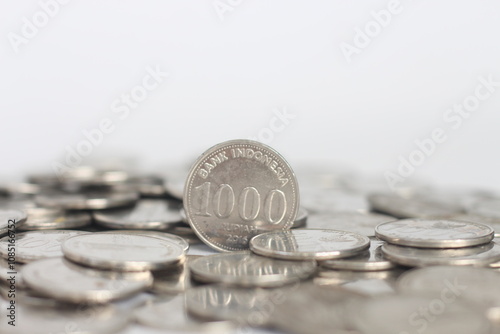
[(229, 71)]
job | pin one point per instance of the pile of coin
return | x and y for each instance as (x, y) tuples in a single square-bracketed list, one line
[(242, 248)]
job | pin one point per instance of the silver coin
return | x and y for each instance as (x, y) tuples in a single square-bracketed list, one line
[(174, 280), (146, 214), (171, 315), (246, 307), (102, 319), (65, 281), (183, 243), (493, 222), (315, 309), (28, 205), (413, 207), (64, 220), (148, 185), (415, 314), (318, 200), (356, 222), (11, 220), (428, 233), (238, 189), (370, 260), (35, 245), (123, 251), (485, 207), (480, 256), (249, 270), (21, 188), (476, 285), (301, 219), (95, 200), (309, 244)]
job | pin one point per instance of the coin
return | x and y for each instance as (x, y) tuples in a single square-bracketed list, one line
[(238, 189), (249, 270), (146, 214), (35, 245), (171, 315), (11, 219), (28, 205), (102, 319), (183, 243), (123, 251), (243, 306), (304, 244), (65, 281), (480, 256), (64, 220), (413, 207), (92, 200), (428, 233), (370, 260), (452, 283), (331, 200), (493, 222), (173, 280), (356, 222), (148, 185), (315, 309), (301, 219), (416, 314), (485, 207)]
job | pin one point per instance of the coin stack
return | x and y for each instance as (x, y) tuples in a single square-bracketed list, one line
[(111, 251)]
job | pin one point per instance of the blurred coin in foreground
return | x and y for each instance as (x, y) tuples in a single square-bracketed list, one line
[(249, 270), (65, 281)]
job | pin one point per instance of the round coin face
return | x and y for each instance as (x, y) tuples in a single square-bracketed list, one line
[(391, 314), (357, 222), (123, 251), (249, 270), (10, 220), (480, 256), (239, 189), (309, 244), (434, 233), (65, 281), (370, 260), (35, 245), (146, 214)]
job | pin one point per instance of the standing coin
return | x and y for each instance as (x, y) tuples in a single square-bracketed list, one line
[(123, 251), (309, 244), (65, 281), (249, 270), (428, 233), (35, 245), (238, 189), (146, 214)]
